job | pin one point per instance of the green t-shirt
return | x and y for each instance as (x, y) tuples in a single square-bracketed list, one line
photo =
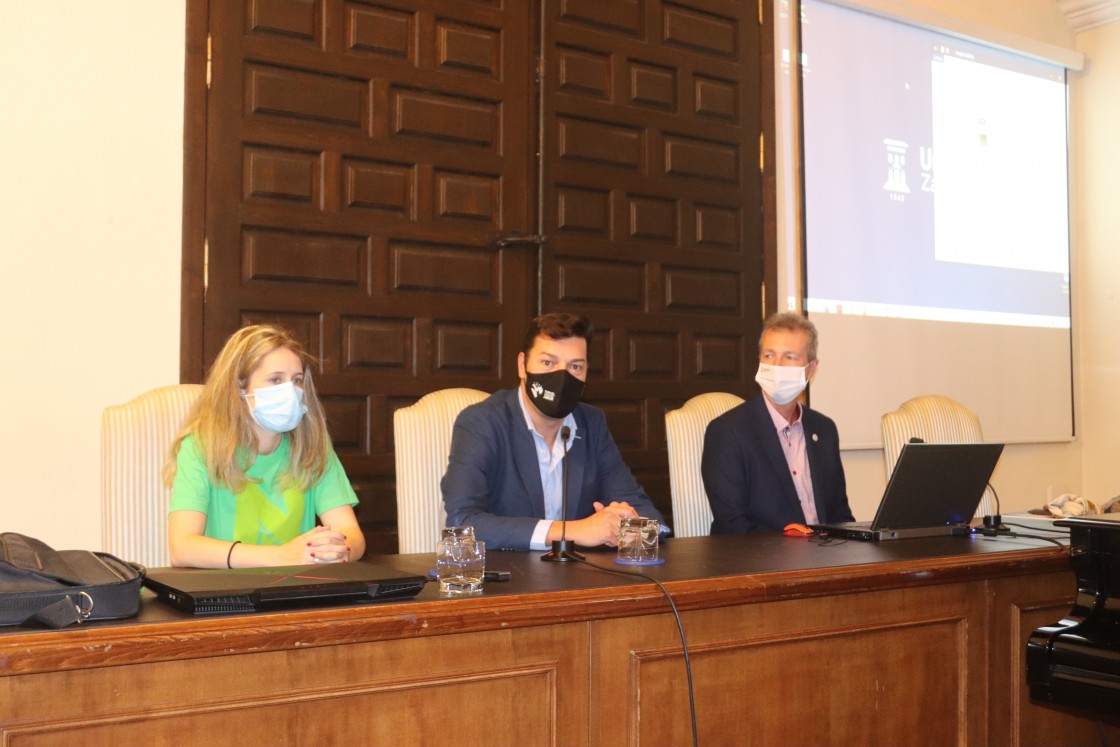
[(262, 513)]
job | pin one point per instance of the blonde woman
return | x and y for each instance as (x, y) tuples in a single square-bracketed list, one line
[(255, 481)]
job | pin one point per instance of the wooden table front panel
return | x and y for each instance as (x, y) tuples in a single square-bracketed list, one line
[(871, 668), (1019, 606), (513, 687)]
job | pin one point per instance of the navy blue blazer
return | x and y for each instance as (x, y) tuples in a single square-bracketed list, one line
[(747, 478), (493, 481)]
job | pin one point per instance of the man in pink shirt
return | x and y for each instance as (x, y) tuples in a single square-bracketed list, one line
[(772, 461)]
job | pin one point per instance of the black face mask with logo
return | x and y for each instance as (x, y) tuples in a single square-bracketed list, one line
[(555, 393)]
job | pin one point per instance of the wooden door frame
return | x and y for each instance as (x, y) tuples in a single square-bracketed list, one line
[(769, 155), (195, 101)]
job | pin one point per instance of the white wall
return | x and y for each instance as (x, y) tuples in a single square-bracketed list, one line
[(91, 117), (1095, 111), (90, 205)]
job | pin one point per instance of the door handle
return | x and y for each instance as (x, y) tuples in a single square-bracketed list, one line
[(515, 239)]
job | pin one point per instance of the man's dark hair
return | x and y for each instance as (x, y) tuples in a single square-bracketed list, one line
[(557, 326)]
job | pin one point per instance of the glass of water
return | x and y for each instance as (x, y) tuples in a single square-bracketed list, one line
[(460, 564), (637, 541), (460, 533)]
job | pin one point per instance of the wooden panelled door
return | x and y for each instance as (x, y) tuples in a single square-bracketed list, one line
[(364, 159), (653, 204)]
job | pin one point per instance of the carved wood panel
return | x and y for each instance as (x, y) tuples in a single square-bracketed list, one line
[(361, 157), (653, 203)]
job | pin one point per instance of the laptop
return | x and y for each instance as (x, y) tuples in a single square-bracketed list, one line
[(933, 491), (218, 591)]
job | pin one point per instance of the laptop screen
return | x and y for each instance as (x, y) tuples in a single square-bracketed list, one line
[(936, 484)]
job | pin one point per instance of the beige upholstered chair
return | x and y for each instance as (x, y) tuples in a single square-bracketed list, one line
[(934, 419), (136, 440), (684, 430), (422, 437)]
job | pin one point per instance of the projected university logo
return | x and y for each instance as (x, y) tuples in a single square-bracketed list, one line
[(895, 185)]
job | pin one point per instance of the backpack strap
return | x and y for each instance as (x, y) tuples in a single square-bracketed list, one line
[(70, 610)]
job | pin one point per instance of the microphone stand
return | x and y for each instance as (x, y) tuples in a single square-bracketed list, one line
[(563, 550), (994, 524)]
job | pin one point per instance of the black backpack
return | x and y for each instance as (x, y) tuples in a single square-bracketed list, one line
[(39, 584)]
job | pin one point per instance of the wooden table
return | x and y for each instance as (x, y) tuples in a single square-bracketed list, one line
[(791, 642)]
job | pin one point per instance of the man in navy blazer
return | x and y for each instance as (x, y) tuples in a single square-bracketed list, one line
[(505, 472), (772, 461)]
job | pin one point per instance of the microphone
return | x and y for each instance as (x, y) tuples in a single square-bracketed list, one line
[(563, 550), (565, 434)]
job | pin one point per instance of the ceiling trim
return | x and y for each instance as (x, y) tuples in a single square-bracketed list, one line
[(1083, 15)]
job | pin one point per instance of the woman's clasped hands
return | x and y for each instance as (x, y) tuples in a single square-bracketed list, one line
[(319, 545)]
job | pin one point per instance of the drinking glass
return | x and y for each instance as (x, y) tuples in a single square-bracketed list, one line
[(637, 541), (460, 564), (462, 533)]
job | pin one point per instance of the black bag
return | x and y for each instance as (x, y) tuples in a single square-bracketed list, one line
[(39, 584)]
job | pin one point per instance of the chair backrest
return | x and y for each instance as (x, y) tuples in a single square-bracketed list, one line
[(935, 419), (422, 443), (684, 431), (136, 440)]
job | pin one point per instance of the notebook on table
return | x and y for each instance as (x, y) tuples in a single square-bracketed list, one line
[(217, 591), (934, 490)]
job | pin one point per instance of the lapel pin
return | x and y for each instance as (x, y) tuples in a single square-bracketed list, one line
[(815, 438)]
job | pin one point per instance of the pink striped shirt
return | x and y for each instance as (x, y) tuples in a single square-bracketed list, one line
[(792, 438)]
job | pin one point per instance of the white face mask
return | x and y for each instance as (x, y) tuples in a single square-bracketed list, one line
[(782, 384), (278, 409)]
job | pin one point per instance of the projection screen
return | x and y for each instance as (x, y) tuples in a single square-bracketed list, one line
[(935, 226)]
